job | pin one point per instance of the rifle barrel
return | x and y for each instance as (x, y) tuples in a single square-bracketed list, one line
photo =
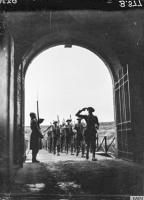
[(38, 111)]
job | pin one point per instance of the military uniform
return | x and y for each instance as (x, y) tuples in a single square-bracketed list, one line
[(56, 138), (50, 140), (62, 135), (36, 135), (69, 137), (91, 130), (79, 139)]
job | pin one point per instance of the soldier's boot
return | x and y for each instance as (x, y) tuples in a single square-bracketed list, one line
[(93, 158), (34, 155), (35, 161), (93, 152)]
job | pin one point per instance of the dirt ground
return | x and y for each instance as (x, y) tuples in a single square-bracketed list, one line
[(60, 177)]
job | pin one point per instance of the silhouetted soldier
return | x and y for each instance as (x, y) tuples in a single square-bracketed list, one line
[(56, 137), (69, 136), (50, 139), (62, 132), (91, 130), (79, 137), (36, 136)]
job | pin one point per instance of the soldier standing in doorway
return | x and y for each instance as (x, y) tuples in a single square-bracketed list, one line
[(36, 137), (91, 130)]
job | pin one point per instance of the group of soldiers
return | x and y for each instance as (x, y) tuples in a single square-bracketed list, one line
[(67, 137)]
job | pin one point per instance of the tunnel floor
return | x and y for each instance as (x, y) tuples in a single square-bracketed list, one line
[(68, 175)]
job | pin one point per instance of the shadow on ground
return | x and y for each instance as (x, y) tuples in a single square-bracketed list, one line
[(80, 178)]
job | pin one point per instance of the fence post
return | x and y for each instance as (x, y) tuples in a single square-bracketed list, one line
[(106, 149)]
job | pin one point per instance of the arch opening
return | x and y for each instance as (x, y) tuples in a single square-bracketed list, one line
[(73, 78)]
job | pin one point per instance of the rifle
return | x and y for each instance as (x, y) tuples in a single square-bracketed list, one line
[(58, 119), (38, 114), (40, 120)]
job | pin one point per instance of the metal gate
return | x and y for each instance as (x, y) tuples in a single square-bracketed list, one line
[(123, 115)]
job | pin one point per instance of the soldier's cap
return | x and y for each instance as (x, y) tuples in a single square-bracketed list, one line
[(32, 114), (68, 120), (91, 109), (55, 122)]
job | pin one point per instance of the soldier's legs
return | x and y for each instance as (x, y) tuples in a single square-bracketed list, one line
[(87, 148), (77, 147), (66, 146), (74, 145), (77, 150), (71, 147), (34, 155), (50, 145), (83, 148), (87, 151), (54, 145), (58, 144), (58, 149), (61, 146), (93, 145), (46, 144)]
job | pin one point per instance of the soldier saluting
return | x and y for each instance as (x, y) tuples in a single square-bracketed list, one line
[(91, 130)]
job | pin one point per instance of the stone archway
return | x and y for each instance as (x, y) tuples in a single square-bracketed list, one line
[(120, 79), (116, 37)]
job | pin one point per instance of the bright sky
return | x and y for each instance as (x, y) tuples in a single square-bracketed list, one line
[(65, 80)]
